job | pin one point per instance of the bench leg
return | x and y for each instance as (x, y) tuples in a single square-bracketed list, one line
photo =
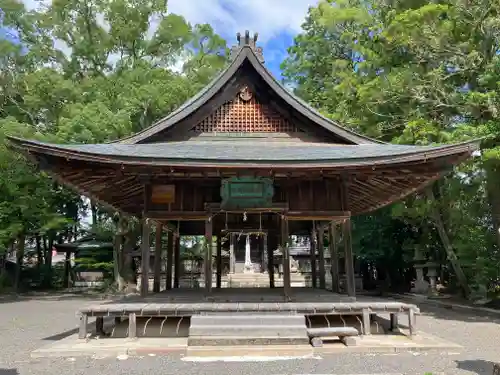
[(394, 323), (82, 328), (412, 322), (367, 329), (316, 342), (132, 326)]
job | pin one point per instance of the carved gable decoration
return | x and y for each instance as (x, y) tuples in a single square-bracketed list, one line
[(245, 114)]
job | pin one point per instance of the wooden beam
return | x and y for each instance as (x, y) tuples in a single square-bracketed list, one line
[(349, 260), (178, 215), (219, 262), (145, 254), (312, 255), (275, 207), (271, 246), (286, 258), (316, 215), (334, 257), (177, 260), (170, 259), (208, 256), (321, 253), (157, 260)]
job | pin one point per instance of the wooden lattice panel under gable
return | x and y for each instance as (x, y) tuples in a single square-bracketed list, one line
[(245, 114)]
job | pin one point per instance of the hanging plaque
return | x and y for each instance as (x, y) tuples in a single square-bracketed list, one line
[(247, 192), (162, 194)]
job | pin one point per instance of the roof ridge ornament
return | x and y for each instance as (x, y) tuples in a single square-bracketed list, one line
[(246, 41)]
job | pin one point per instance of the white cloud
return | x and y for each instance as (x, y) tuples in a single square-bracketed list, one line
[(267, 17)]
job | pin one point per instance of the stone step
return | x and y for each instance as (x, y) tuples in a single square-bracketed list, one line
[(248, 329), (250, 351), (256, 320), (245, 340)]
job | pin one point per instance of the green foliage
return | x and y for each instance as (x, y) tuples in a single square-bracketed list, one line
[(415, 72), (87, 72)]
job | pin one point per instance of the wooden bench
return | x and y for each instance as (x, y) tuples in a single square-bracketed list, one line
[(132, 310), (316, 335)]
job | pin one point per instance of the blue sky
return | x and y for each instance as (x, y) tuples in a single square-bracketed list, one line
[(276, 21)]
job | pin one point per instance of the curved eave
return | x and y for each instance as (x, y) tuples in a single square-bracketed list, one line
[(427, 154), (222, 79)]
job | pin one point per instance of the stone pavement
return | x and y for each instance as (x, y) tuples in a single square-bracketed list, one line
[(29, 324)]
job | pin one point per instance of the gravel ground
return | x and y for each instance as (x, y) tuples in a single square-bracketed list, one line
[(28, 324)]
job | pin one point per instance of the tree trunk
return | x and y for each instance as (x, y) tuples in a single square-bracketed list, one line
[(445, 240), (93, 208), (19, 261), (39, 253), (493, 195), (48, 244)]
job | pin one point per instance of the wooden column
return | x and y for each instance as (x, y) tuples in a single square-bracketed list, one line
[(321, 253), (177, 259), (219, 262), (265, 257), (67, 266), (349, 261), (314, 276), (334, 257), (145, 254), (157, 260), (232, 262), (286, 258), (270, 245), (170, 260), (208, 256)]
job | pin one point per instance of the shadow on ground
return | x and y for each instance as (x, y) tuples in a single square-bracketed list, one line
[(447, 312), (62, 335), (55, 296), (8, 371), (476, 366)]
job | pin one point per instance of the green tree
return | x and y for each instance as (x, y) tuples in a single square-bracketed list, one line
[(415, 72)]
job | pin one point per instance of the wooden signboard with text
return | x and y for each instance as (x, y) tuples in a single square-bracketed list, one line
[(162, 194)]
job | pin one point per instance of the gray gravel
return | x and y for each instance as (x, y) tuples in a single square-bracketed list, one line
[(28, 324)]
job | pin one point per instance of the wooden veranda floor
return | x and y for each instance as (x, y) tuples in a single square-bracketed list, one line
[(241, 295)]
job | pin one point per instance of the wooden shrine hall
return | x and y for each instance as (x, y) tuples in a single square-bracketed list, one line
[(246, 155)]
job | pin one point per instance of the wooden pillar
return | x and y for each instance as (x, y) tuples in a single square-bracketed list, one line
[(219, 262), (270, 246), (334, 257), (314, 276), (145, 254), (170, 260), (177, 259), (321, 253), (157, 260), (286, 257), (232, 262), (208, 256), (67, 267), (349, 260), (265, 257)]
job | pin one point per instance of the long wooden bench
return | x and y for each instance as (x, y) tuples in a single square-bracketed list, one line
[(134, 310)]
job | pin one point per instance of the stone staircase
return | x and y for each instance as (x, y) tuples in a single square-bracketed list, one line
[(247, 329), (248, 280)]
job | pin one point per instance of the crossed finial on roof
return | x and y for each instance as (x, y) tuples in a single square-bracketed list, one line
[(246, 41)]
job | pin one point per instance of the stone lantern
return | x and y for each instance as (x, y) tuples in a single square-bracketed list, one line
[(421, 286), (432, 268)]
